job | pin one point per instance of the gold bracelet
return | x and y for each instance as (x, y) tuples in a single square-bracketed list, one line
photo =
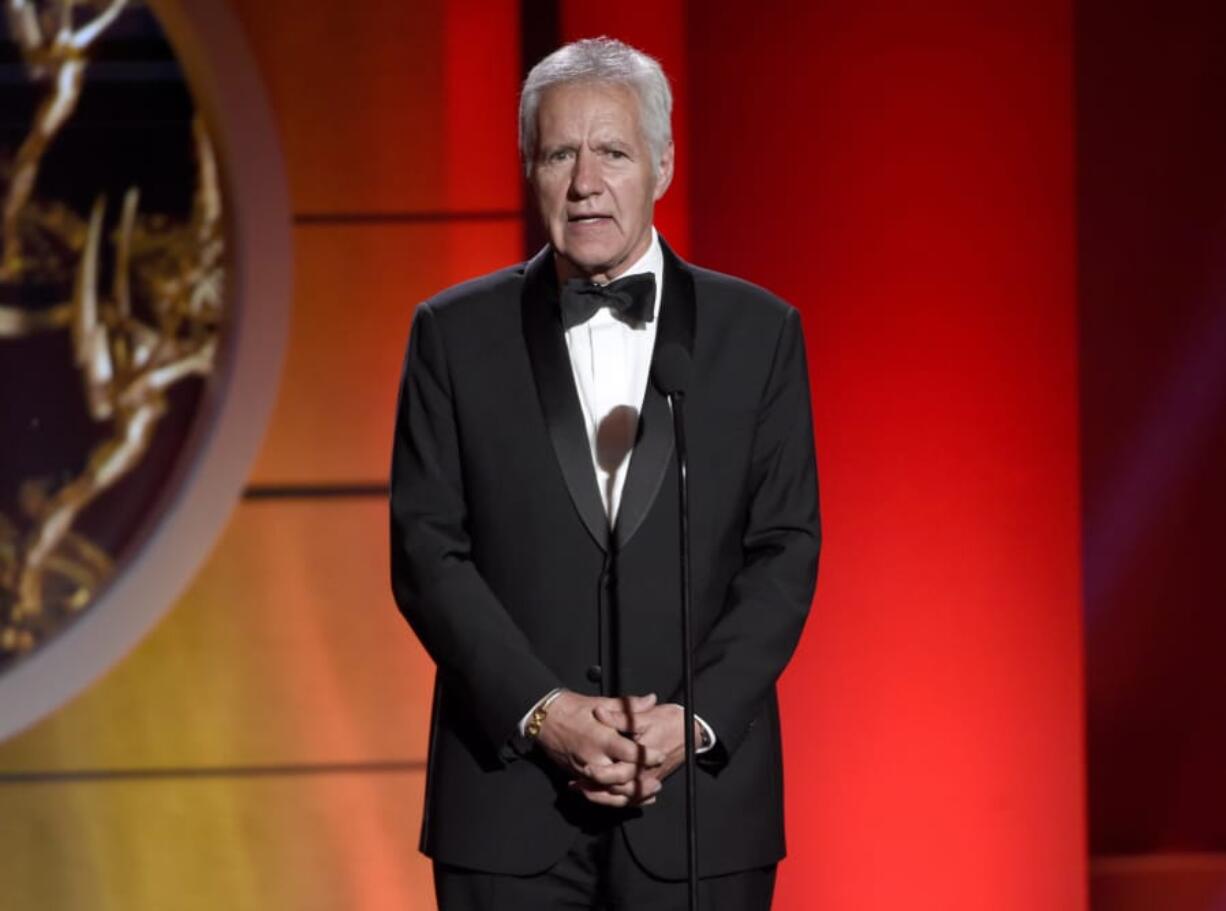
[(533, 727)]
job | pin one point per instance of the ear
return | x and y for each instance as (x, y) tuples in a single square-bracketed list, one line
[(666, 171)]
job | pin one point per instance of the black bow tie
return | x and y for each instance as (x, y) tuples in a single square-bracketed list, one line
[(632, 298)]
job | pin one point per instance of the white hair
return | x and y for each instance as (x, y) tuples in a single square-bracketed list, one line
[(604, 60)]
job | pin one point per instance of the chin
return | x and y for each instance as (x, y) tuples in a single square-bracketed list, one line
[(595, 250), (587, 263)]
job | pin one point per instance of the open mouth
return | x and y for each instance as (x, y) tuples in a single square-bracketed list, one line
[(587, 219)]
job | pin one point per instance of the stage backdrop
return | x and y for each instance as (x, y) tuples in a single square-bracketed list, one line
[(904, 175)]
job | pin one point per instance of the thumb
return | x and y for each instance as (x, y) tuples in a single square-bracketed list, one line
[(640, 703)]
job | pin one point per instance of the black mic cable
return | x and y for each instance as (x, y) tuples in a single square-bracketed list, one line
[(670, 371)]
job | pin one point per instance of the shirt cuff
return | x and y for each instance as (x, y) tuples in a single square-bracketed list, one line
[(708, 739)]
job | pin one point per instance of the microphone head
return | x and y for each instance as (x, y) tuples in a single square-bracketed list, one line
[(670, 370)]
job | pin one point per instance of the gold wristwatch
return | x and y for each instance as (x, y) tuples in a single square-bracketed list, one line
[(533, 727)]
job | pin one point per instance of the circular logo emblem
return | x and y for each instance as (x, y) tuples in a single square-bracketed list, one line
[(140, 329)]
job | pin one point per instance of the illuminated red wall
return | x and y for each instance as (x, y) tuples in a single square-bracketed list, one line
[(904, 174)]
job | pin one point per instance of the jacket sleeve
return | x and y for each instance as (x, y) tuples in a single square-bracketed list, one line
[(737, 663), (479, 650)]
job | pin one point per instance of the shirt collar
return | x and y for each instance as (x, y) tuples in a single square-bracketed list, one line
[(652, 261)]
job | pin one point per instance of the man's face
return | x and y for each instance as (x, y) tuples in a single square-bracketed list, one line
[(593, 178)]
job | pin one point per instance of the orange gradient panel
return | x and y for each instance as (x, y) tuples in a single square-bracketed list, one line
[(317, 842), (287, 649), (904, 175), (359, 93), (355, 288), (287, 656), (658, 29)]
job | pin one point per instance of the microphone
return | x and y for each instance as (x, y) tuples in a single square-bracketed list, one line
[(670, 371)]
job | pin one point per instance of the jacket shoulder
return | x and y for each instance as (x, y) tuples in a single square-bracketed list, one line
[(472, 298), (745, 299)]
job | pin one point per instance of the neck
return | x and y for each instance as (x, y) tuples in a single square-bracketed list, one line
[(567, 270), (601, 275)]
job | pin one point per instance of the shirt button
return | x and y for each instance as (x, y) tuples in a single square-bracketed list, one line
[(595, 673)]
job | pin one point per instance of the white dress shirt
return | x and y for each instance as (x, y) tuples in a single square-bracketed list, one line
[(611, 362)]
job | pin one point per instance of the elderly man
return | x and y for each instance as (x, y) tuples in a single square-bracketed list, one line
[(535, 532)]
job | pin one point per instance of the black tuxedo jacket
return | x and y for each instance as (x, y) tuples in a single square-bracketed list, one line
[(504, 564)]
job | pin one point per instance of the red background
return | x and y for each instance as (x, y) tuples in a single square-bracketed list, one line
[(1003, 224)]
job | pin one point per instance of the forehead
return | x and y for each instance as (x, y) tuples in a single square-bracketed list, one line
[(581, 108)]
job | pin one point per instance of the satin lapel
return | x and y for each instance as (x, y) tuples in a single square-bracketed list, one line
[(654, 447), (555, 387)]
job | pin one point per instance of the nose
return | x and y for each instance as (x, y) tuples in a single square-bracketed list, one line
[(585, 179)]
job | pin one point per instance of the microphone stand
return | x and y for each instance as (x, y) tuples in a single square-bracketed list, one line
[(677, 401)]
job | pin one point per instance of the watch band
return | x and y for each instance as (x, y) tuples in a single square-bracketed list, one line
[(533, 728)]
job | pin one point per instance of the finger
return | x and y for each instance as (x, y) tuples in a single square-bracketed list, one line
[(600, 796), (640, 801), (620, 749), (605, 799), (620, 721), (610, 774), (632, 704), (614, 718), (639, 789), (629, 705), (612, 798)]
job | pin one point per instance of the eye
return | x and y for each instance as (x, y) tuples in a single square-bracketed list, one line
[(558, 155)]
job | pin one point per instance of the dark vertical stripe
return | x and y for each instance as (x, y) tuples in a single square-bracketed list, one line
[(540, 33)]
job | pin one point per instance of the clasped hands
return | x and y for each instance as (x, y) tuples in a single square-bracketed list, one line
[(619, 749)]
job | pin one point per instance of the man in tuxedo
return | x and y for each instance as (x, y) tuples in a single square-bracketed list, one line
[(535, 532)]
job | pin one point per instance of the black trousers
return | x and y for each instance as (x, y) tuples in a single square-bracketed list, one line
[(599, 873)]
